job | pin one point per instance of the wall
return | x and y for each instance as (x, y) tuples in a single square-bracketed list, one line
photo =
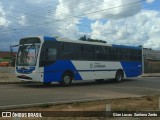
[(151, 66)]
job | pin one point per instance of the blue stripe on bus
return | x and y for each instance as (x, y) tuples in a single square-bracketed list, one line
[(49, 38), (60, 66), (97, 70), (132, 69), (51, 71), (123, 46), (25, 71)]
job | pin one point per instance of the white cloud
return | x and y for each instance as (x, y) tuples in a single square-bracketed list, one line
[(120, 25), (140, 29), (41, 18), (71, 8), (107, 9), (22, 20), (149, 1), (3, 20), (68, 29)]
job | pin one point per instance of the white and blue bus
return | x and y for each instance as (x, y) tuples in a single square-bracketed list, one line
[(49, 59)]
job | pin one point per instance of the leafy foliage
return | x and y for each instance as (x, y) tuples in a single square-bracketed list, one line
[(84, 38)]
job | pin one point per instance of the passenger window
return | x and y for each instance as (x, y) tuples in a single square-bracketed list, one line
[(52, 54), (48, 56)]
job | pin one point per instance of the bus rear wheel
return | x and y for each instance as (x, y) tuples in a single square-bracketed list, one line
[(119, 76), (66, 79)]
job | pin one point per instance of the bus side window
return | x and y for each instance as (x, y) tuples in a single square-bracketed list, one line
[(82, 48), (101, 53), (48, 56), (113, 53), (62, 47), (69, 51), (123, 54), (87, 52), (52, 54)]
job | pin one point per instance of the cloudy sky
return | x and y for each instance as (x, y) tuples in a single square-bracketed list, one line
[(127, 22)]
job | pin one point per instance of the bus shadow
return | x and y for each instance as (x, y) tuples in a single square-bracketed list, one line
[(74, 84), (105, 82)]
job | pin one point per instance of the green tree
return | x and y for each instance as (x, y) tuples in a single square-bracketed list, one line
[(84, 38)]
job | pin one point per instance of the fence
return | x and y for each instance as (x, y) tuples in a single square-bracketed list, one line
[(151, 66)]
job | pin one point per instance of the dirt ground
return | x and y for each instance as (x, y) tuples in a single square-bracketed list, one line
[(147, 103), (8, 78), (126, 104), (7, 75)]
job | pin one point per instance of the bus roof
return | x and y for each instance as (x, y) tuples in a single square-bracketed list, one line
[(82, 42), (96, 43), (85, 42), (124, 46)]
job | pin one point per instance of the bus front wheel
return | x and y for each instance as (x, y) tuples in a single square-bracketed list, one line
[(119, 76), (66, 79)]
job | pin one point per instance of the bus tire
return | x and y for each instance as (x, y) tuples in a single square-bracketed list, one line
[(119, 76), (66, 79)]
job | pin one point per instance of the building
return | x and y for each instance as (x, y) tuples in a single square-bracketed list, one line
[(151, 61), (150, 54)]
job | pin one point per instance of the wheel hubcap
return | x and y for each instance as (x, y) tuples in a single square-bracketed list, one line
[(119, 77), (67, 79)]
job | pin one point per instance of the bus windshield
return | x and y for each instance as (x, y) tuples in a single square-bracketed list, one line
[(27, 55)]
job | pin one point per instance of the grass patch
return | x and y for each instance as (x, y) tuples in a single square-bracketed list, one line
[(4, 60), (45, 106), (124, 104)]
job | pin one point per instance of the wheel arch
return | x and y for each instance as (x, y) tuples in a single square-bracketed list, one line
[(120, 70), (69, 72)]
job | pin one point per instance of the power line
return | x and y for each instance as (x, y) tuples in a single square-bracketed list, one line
[(30, 14), (118, 6), (78, 16), (34, 15), (61, 19), (87, 13)]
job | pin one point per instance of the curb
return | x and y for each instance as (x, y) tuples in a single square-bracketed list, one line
[(4, 83), (150, 76), (19, 82), (22, 106)]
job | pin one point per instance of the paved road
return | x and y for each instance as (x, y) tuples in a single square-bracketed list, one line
[(36, 93)]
